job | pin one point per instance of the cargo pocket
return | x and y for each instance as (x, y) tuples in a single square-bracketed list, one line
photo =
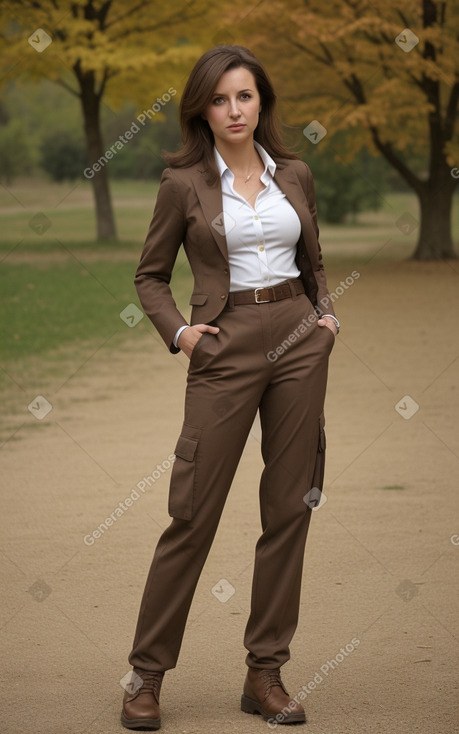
[(181, 490)]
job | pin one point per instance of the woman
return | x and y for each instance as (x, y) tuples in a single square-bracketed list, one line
[(262, 328)]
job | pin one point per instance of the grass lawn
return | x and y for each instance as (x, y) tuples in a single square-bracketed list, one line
[(69, 210)]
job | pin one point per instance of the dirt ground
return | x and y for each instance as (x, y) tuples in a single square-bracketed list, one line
[(381, 566)]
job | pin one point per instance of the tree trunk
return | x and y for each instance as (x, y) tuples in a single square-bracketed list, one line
[(90, 102), (435, 236)]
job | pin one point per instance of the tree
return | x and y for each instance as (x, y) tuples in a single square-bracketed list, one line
[(386, 70), (103, 50)]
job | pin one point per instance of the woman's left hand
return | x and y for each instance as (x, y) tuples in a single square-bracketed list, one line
[(329, 323)]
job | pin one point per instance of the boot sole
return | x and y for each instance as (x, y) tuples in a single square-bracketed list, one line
[(249, 706), (141, 724)]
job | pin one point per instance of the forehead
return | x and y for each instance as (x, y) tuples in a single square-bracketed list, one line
[(236, 80)]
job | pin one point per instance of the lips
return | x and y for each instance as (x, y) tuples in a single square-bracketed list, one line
[(238, 126)]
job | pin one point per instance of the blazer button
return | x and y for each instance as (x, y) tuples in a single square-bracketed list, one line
[(223, 297)]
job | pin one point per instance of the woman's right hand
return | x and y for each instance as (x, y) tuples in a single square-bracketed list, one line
[(192, 334)]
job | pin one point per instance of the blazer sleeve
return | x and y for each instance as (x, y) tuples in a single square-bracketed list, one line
[(324, 301), (153, 275)]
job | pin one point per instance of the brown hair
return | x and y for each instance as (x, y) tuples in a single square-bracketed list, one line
[(197, 137)]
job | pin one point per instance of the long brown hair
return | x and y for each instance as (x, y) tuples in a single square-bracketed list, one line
[(197, 137)]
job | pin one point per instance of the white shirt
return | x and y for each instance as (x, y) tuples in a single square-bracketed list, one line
[(261, 239)]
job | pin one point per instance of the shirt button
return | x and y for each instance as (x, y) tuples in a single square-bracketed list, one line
[(256, 216), (261, 248)]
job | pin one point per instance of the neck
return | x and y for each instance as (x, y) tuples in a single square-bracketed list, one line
[(239, 157)]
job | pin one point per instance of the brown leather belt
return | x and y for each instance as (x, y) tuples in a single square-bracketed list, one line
[(288, 289)]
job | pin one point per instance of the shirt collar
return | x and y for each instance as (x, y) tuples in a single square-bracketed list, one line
[(269, 164)]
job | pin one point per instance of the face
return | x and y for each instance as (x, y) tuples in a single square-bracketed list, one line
[(235, 106)]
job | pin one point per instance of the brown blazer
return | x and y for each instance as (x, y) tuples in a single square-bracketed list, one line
[(189, 211)]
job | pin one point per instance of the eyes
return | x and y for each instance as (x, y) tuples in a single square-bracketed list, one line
[(244, 97)]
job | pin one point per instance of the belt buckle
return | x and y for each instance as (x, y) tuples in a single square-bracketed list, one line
[(266, 300)]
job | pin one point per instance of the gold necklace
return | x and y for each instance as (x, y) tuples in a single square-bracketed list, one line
[(247, 178)]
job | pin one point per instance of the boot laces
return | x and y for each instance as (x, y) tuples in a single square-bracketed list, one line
[(151, 683), (271, 678)]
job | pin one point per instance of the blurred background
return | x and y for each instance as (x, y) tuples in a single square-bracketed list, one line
[(92, 400)]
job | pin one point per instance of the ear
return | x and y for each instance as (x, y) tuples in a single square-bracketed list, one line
[(203, 116)]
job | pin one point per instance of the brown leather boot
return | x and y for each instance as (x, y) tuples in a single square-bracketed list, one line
[(264, 694), (141, 706)]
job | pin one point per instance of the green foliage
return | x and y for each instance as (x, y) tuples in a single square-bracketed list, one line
[(42, 130), (16, 154), (42, 122), (142, 157), (344, 189), (62, 156)]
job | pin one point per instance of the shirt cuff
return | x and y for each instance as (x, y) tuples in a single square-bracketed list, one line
[(179, 331), (330, 316)]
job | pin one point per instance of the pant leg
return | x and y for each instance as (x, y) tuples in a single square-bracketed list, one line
[(290, 410), (227, 376)]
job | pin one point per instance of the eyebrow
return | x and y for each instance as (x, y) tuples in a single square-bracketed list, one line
[(218, 94)]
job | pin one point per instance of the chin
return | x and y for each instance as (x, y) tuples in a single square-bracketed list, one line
[(238, 137)]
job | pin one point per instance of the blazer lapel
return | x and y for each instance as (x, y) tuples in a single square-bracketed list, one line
[(210, 199)]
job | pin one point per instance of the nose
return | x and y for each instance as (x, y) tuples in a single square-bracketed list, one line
[(234, 110)]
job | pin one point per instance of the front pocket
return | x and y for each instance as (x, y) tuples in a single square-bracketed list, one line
[(331, 336), (204, 351), (181, 489), (196, 347)]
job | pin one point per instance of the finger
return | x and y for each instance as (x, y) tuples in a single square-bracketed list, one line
[(202, 328)]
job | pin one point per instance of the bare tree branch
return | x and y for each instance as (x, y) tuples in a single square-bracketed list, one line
[(307, 51), (396, 162), (67, 87)]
